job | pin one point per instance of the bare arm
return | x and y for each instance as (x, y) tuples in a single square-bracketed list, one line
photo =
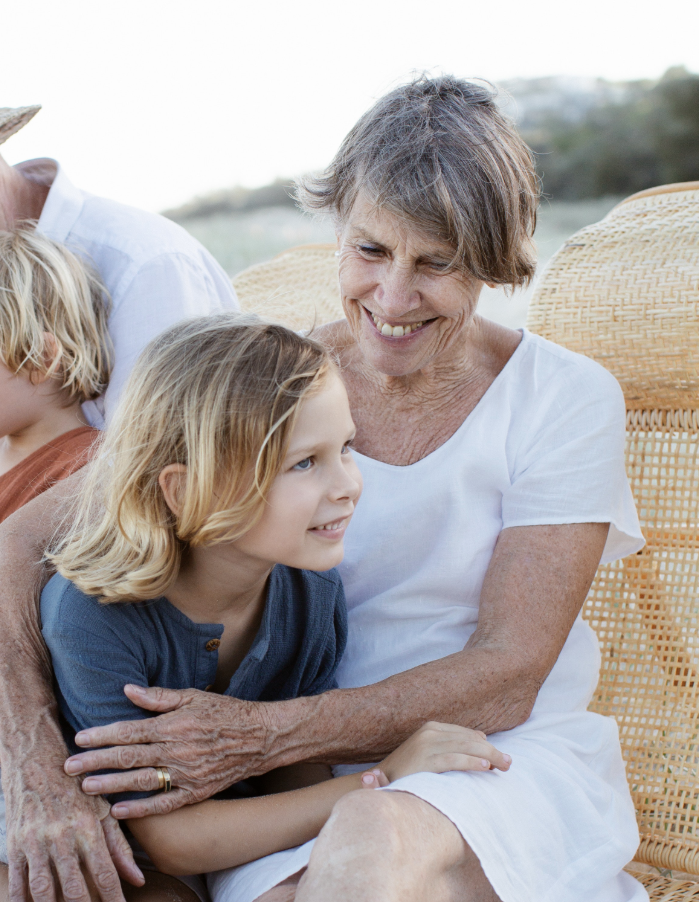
[(51, 823), (222, 834), (536, 583)]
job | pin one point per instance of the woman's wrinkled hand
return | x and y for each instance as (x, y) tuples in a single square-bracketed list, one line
[(440, 747), (207, 742), (57, 836)]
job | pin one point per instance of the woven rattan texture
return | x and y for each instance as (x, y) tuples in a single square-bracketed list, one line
[(667, 889), (626, 292), (298, 288), (645, 611)]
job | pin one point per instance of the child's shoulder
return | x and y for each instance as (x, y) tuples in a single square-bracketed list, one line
[(70, 613), (60, 598)]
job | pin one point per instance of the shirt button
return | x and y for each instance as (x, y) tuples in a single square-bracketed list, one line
[(212, 644)]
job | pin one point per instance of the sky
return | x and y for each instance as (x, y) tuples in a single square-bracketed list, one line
[(153, 102)]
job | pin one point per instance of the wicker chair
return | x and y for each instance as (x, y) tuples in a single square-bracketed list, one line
[(298, 287), (624, 291)]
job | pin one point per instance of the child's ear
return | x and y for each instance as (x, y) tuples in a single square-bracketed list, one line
[(51, 359), (172, 481)]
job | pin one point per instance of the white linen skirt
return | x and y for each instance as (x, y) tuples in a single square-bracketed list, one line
[(559, 826)]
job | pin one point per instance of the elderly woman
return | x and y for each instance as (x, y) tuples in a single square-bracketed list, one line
[(494, 485)]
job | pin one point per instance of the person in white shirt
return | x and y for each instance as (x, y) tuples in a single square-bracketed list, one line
[(155, 272)]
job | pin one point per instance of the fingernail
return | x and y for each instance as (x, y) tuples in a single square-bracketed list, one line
[(73, 767), (376, 771), (507, 758), (82, 738), (367, 779), (486, 764), (91, 784), (120, 811), (140, 690)]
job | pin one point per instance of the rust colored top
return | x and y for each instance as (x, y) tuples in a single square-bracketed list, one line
[(47, 465)]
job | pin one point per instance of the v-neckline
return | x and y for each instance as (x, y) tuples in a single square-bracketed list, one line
[(524, 341)]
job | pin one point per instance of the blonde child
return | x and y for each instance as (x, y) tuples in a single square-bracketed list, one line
[(54, 355), (202, 558)]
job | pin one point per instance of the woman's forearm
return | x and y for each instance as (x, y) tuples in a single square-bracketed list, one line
[(536, 584), (222, 834), (54, 831), (496, 691), (27, 705)]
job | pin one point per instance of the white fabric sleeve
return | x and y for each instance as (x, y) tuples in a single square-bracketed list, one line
[(568, 466), (166, 290)]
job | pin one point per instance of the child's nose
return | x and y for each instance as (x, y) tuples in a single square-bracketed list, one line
[(349, 482)]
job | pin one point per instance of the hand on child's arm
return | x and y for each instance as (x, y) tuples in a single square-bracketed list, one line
[(221, 834), (440, 747)]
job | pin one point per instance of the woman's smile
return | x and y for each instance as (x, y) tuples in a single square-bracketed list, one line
[(397, 330)]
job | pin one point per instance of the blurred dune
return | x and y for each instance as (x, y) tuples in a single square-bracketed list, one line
[(595, 141)]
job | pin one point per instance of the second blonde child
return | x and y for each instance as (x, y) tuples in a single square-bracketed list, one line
[(55, 353)]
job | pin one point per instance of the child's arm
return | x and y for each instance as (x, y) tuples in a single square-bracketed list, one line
[(222, 834)]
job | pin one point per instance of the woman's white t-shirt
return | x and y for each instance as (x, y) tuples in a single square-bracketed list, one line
[(545, 445)]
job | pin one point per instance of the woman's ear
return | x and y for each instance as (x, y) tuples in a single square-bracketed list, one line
[(51, 359), (172, 481)]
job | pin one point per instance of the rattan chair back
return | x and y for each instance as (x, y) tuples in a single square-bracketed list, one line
[(625, 292), (298, 288)]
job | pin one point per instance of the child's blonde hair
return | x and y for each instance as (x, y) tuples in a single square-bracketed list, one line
[(44, 287), (218, 394)]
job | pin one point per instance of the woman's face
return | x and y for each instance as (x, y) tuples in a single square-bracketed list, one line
[(404, 310)]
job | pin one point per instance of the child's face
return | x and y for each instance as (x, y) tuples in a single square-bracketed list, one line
[(312, 499), (22, 402)]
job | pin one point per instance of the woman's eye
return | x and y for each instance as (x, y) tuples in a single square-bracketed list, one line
[(304, 464), (370, 250)]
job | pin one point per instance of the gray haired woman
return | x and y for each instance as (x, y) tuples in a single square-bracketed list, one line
[(494, 485)]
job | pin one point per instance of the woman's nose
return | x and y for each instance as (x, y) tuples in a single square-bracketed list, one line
[(396, 292)]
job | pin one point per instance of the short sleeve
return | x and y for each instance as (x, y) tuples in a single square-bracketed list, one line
[(94, 656), (330, 642), (567, 459), (162, 292)]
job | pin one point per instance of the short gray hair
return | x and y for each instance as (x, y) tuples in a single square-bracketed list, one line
[(439, 154)]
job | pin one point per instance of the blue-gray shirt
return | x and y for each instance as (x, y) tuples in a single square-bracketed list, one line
[(97, 648)]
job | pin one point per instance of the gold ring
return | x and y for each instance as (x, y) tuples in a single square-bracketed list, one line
[(164, 782)]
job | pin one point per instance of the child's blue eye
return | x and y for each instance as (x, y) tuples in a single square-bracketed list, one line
[(346, 447), (304, 464)]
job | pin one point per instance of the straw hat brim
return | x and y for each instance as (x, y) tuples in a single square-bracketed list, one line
[(12, 119)]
